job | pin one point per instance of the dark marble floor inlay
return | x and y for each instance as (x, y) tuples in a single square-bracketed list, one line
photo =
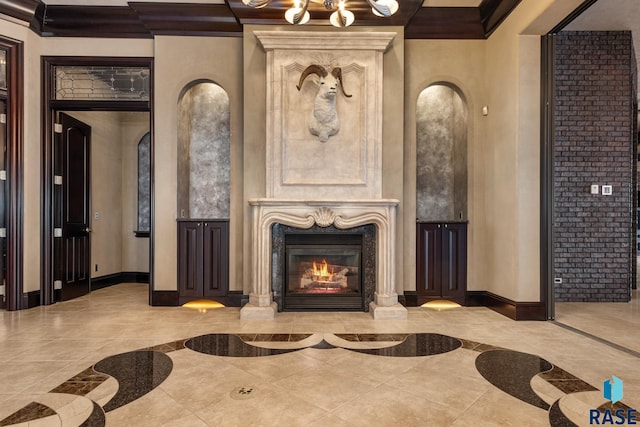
[(137, 373), (557, 418), (372, 337), (96, 419), (323, 345), (416, 345), (566, 382), (511, 371), (230, 345), (31, 412), (273, 337)]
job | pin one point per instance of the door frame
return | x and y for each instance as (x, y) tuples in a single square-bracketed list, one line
[(49, 108), (15, 176)]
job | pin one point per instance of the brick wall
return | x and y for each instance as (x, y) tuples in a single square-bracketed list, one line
[(594, 144)]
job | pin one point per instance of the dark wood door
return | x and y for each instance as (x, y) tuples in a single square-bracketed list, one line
[(454, 262), (441, 267), (203, 260), (429, 261), (75, 243), (190, 260), (215, 259)]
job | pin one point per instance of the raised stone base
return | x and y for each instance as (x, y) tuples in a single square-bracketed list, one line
[(254, 312), (394, 312)]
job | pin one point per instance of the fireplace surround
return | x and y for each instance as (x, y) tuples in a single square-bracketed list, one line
[(335, 182)]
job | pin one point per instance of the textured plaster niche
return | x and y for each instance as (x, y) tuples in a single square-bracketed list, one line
[(441, 118), (144, 184), (203, 152)]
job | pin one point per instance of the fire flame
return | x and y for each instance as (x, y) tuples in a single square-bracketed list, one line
[(322, 270)]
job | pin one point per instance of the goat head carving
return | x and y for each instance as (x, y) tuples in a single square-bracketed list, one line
[(324, 120)]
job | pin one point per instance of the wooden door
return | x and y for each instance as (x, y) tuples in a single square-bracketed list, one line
[(190, 260), (215, 259), (454, 262), (429, 261), (74, 248)]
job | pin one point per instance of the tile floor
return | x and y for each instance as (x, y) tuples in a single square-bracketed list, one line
[(468, 366)]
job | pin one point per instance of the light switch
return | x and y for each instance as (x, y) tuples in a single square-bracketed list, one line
[(607, 190), (594, 189)]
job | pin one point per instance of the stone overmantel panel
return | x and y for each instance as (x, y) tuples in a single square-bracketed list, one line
[(349, 164)]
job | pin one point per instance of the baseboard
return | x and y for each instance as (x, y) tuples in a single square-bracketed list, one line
[(31, 299), (236, 299), (116, 278), (164, 298), (409, 299), (511, 309)]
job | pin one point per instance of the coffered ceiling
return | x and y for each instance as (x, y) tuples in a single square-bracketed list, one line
[(422, 19)]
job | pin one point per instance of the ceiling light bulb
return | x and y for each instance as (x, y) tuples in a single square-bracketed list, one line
[(341, 17), (292, 12), (385, 8), (298, 13), (256, 3)]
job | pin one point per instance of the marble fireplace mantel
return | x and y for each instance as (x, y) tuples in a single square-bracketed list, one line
[(304, 214)]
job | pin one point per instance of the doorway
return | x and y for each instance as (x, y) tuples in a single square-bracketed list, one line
[(586, 256), (112, 97)]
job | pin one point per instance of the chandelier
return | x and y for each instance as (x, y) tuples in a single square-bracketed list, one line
[(341, 17)]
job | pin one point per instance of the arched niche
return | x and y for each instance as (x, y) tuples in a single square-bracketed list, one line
[(203, 151), (144, 186), (441, 141)]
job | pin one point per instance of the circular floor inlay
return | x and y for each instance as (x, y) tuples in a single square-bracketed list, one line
[(242, 393)]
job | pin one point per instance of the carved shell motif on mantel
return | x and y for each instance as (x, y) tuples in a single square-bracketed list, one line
[(324, 216)]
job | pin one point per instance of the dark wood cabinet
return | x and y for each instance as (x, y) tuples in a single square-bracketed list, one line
[(203, 259), (441, 255)]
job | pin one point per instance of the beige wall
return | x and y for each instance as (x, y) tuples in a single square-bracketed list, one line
[(180, 61), (501, 73)]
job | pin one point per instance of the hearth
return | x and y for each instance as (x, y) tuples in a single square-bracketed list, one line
[(323, 268)]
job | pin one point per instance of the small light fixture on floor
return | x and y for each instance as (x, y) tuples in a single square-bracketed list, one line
[(202, 305), (440, 305)]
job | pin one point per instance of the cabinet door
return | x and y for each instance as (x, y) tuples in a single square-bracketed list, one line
[(454, 262), (428, 260), (215, 258), (190, 259)]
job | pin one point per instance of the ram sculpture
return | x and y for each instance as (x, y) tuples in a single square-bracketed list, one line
[(324, 120)]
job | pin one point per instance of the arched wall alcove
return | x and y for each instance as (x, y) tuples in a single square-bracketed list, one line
[(203, 151), (441, 154)]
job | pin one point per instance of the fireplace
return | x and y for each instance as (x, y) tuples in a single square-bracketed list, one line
[(323, 268)]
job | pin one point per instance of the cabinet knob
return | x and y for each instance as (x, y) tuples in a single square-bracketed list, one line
[(446, 226), (438, 225), (199, 224)]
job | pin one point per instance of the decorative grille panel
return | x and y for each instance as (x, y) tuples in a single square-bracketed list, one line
[(101, 83)]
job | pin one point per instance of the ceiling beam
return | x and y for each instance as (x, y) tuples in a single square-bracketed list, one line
[(148, 19)]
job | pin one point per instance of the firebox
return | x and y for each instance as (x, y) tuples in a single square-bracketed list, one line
[(323, 268), (323, 271)]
